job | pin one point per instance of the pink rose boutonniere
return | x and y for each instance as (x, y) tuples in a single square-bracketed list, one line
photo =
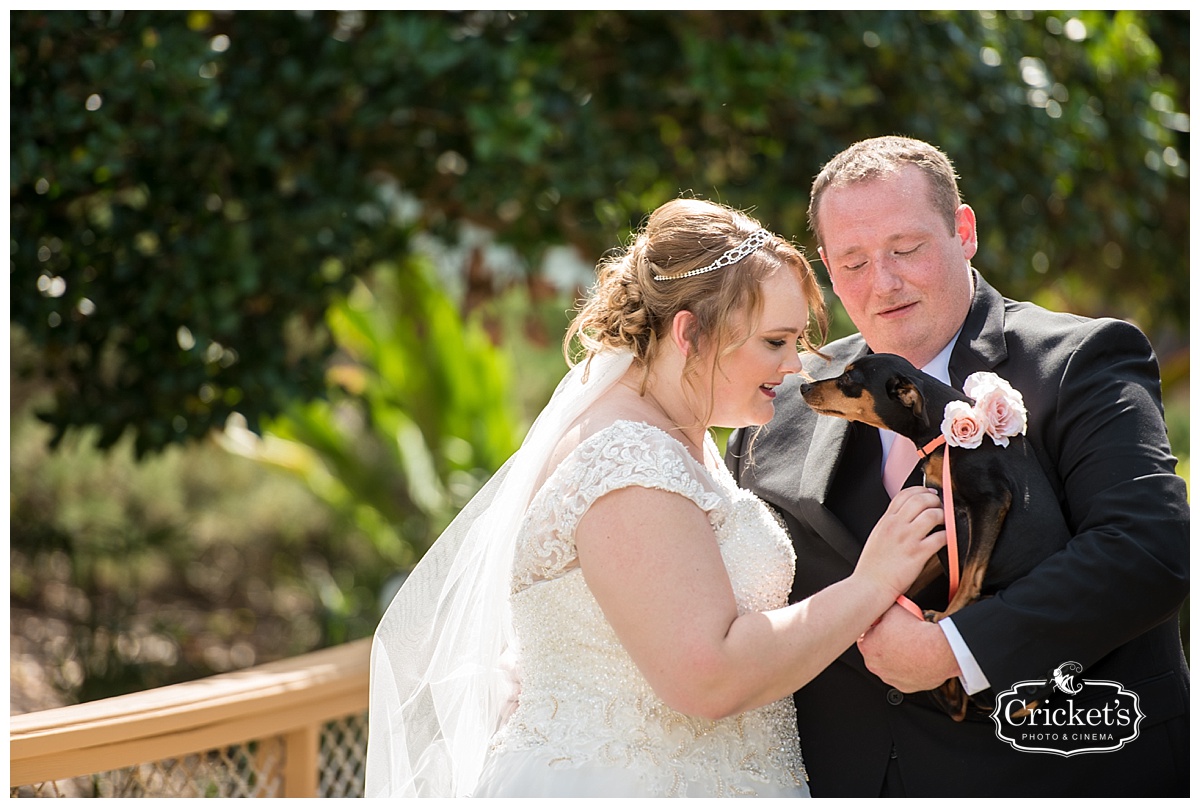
[(962, 425), (999, 412)]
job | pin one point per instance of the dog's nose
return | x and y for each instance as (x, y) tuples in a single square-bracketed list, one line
[(804, 388)]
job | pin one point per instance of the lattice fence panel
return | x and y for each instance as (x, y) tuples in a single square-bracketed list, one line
[(344, 757), (254, 769)]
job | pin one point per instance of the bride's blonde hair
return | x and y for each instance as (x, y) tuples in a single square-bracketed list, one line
[(628, 309)]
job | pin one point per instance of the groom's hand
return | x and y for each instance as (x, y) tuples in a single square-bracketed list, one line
[(908, 653)]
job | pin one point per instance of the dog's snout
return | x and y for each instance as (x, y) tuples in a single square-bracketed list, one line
[(805, 388)]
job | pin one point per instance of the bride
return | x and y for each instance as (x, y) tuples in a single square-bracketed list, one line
[(609, 615)]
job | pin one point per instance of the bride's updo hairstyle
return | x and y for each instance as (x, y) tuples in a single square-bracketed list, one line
[(628, 309)]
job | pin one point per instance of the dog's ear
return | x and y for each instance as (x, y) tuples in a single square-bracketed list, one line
[(904, 390)]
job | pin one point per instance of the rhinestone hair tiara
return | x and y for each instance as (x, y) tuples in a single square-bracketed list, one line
[(752, 243)]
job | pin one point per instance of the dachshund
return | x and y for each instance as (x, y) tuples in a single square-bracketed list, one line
[(991, 484)]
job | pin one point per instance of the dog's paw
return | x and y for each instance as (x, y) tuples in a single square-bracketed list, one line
[(932, 617), (951, 697)]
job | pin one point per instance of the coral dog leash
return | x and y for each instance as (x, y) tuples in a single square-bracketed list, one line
[(951, 527)]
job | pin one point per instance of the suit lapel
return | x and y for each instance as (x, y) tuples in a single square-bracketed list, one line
[(816, 478), (982, 345), (828, 441), (829, 433)]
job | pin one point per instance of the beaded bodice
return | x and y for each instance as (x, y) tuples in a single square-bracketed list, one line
[(583, 700)]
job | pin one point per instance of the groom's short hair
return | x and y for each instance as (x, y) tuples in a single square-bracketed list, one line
[(877, 157)]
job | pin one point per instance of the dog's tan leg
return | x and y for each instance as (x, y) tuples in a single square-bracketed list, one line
[(983, 530), (951, 697)]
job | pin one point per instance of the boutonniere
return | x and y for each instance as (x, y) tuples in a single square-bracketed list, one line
[(998, 412)]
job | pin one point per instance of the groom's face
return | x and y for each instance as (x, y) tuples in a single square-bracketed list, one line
[(896, 264)]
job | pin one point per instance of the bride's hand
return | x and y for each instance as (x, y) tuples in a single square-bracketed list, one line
[(901, 543)]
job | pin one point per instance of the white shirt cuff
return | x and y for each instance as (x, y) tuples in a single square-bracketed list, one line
[(972, 677)]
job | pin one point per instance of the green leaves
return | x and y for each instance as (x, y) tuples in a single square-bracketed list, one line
[(419, 413), (202, 169), (144, 193)]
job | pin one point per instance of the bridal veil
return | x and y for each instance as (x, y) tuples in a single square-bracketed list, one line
[(440, 683)]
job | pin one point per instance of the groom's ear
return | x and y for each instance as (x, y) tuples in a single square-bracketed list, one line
[(904, 390)]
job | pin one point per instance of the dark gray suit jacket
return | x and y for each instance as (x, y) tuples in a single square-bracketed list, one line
[(1108, 598)]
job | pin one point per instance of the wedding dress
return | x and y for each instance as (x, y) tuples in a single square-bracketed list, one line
[(502, 582), (587, 722)]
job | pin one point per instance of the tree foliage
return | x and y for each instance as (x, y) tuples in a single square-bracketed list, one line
[(190, 192), (418, 415)]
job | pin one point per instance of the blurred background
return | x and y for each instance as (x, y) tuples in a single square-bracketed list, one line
[(287, 287)]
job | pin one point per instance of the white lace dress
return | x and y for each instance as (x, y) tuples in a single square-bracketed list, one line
[(587, 722)]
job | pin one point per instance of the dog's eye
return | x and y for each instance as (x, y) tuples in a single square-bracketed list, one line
[(849, 387)]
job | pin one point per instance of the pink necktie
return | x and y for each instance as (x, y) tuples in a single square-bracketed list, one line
[(901, 460)]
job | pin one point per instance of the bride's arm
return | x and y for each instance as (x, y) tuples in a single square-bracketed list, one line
[(652, 562)]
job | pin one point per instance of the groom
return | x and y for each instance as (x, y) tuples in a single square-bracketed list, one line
[(897, 243)]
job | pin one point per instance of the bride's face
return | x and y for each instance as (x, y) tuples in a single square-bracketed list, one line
[(745, 379)]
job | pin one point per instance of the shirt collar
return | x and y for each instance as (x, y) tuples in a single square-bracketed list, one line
[(939, 366)]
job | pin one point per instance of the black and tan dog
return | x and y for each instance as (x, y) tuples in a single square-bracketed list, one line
[(992, 485)]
